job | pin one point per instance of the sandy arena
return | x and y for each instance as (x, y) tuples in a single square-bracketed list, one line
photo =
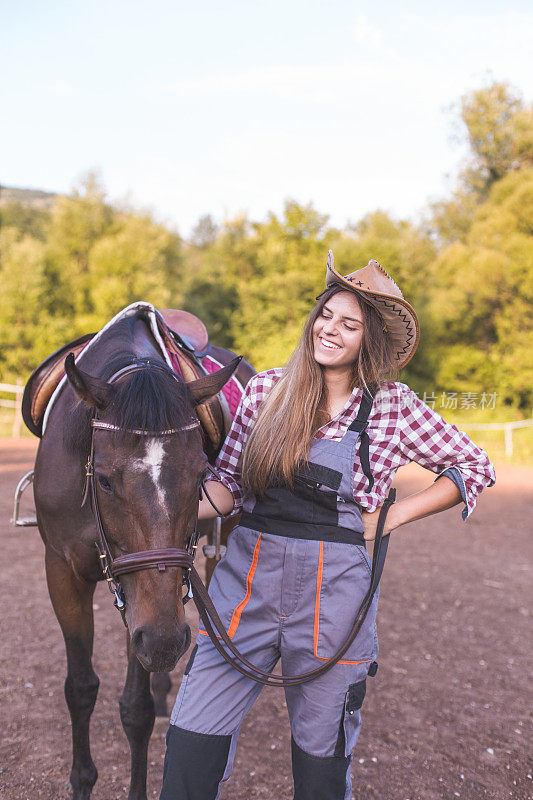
[(446, 716)]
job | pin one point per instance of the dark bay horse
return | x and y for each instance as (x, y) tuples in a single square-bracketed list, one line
[(146, 481)]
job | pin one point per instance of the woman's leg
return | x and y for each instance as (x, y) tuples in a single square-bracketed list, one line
[(212, 702), (325, 723), (325, 713), (214, 698)]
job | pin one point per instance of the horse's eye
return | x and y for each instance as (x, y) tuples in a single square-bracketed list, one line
[(105, 483)]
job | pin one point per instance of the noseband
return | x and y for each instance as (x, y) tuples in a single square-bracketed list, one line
[(158, 559)]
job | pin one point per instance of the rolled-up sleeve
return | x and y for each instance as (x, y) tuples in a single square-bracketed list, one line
[(228, 462), (425, 437)]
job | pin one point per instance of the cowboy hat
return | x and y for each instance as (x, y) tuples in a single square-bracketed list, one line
[(381, 291)]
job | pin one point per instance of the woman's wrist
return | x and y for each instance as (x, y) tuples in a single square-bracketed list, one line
[(396, 516)]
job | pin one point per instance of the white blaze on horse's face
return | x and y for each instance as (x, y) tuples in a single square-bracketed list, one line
[(152, 463)]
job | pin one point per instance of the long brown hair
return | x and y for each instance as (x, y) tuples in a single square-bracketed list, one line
[(295, 407)]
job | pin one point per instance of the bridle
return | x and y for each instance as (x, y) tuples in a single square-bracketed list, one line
[(183, 558), (161, 558)]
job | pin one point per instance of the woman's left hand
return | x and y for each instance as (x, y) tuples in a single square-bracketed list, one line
[(370, 521)]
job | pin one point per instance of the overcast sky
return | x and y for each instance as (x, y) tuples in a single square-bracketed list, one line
[(199, 107)]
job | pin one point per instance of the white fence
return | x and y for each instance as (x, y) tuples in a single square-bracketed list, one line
[(15, 417), (506, 427)]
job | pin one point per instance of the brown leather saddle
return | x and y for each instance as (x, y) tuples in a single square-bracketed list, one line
[(186, 341)]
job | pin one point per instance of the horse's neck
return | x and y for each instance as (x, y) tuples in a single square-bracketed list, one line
[(129, 338)]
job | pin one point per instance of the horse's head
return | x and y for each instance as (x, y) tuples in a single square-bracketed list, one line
[(148, 465)]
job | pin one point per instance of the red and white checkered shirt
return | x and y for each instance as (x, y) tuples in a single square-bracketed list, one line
[(401, 428)]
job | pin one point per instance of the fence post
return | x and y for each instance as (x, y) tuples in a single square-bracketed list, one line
[(508, 430), (17, 421)]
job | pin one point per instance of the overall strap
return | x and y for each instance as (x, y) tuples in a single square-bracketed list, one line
[(359, 425)]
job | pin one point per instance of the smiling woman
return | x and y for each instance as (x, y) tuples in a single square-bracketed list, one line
[(344, 325), (309, 460), (344, 344), (338, 332)]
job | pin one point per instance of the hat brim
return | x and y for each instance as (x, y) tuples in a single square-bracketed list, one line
[(399, 315)]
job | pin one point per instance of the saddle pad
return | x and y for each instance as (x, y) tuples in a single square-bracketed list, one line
[(232, 390)]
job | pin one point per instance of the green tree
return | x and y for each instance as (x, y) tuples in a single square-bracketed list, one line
[(498, 127), (94, 261), (136, 259), (406, 252), (282, 269), (25, 219), (482, 298), (212, 277), (78, 222), (23, 335), (500, 133), (204, 232)]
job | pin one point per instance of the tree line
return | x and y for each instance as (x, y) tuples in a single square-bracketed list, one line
[(467, 268)]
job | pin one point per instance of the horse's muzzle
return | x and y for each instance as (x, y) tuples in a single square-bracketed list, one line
[(158, 650)]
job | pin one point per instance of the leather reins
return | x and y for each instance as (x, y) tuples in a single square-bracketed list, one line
[(210, 618), (183, 558)]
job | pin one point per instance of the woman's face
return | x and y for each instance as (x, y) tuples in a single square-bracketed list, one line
[(338, 332)]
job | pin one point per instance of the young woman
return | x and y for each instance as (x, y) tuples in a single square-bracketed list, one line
[(308, 461)]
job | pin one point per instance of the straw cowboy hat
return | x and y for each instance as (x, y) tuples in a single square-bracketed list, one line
[(381, 291)]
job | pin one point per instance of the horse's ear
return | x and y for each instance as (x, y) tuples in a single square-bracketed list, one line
[(209, 385), (94, 391)]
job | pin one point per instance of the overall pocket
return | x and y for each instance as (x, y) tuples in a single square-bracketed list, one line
[(350, 723), (343, 580)]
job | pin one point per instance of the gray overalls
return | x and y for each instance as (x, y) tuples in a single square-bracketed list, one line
[(294, 575)]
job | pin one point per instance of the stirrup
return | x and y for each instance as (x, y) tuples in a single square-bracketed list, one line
[(22, 522)]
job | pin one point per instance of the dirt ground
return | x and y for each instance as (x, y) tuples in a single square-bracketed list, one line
[(445, 717)]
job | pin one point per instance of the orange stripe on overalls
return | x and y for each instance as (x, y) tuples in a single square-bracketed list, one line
[(236, 618)]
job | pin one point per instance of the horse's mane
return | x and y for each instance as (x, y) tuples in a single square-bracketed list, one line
[(148, 399)]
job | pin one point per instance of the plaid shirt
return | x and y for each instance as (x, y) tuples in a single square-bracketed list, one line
[(401, 428)]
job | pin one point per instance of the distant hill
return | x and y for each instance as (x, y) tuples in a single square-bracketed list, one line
[(36, 198)]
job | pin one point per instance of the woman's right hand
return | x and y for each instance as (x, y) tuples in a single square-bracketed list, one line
[(221, 497), (370, 522)]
